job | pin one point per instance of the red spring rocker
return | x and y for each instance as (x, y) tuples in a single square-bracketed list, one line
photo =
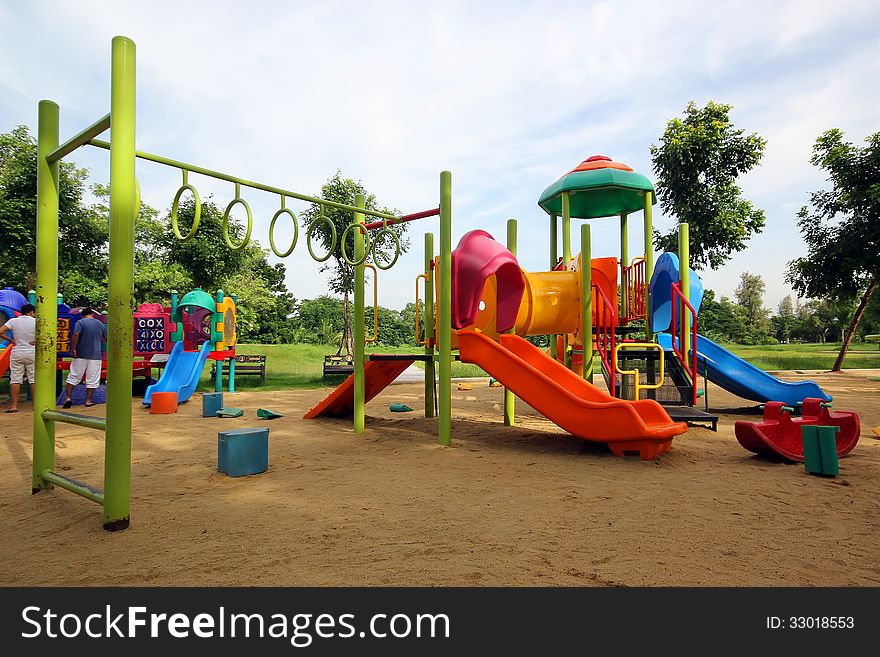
[(780, 433)]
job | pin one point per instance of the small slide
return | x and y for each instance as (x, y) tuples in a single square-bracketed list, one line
[(378, 375), (744, 379), (181, 373), (568, 400), (5, 355)]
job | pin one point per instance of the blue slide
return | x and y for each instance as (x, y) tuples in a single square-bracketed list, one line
[(181, 373), (744, 379)]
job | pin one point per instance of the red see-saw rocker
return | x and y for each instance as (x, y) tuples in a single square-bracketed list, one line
[(780, 433)]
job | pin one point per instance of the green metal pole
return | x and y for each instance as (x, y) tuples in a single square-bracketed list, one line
[(120, 288), (430, 372), (649, 261), (587, 302), (624, 258), (554, 256), (444, 303), (218, 364), (566, 255), (358, 329), (231, 384), (684, 259), (46, 294), (218, 376), (509, 398)]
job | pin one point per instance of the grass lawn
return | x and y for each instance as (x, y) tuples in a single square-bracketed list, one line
[(807, 356)]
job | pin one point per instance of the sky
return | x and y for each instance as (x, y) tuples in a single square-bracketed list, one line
[(508, 96)]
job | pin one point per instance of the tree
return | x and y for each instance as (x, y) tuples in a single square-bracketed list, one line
[(750, 296), (697, 164), (842, 230), (784, 320), (82, 230), (722, 320), (344, 190)]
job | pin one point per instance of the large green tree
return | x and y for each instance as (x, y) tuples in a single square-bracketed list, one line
[(343, 190), (697, 163), (842, 229), (82, 230)]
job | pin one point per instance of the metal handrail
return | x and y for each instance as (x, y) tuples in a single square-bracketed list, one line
[(690, 369), (605, 333), (638, 386), (634, 291)]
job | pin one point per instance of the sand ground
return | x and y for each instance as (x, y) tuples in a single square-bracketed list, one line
[(523, 505)]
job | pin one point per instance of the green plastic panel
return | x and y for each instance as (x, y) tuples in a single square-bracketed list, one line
[(198, 298), (598, 193)]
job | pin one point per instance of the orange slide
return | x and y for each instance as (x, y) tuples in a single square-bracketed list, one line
[(4, 358), (568, 400), (378, 375)]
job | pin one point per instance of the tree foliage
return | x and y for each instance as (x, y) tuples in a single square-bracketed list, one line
[(842, 229), (82, 231), (697, 164), (344, 190)]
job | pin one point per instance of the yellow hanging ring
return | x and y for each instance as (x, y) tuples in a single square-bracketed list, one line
[(363, 258), (394, 238), (283, 210), (321, 218), (197, 214), (250, 222)]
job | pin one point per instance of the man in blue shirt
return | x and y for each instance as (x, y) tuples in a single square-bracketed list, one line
[(86, 349)]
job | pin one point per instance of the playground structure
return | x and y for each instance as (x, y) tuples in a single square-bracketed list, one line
[(478, 300), (200, 327)]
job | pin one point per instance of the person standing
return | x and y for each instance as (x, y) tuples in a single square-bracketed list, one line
[(21, 361), (85, 347)]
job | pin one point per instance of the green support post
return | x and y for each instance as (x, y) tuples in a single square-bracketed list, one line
[(586, 328), (649, 259), (624, 257), (218, 364), (120, 288), (46, 293), (358, 330), (509, 398), (566, 256), (554, 256), (684, 274), (231, 384), (430, 371), (444, 309)]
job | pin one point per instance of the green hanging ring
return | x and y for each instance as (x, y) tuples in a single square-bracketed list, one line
[(197, 215), (314, 224), (363, 258), (250, 224), (377, 239), (272, 233)]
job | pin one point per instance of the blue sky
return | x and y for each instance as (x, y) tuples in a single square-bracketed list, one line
[(506, 95)]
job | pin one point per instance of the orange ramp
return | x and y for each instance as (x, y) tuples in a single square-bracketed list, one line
[(5, 355), (378, 375), (568, 400)]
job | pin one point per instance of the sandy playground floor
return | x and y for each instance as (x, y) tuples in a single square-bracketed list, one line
[(525, 505)]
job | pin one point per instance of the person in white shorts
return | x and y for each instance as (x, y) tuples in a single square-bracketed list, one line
[(21, 360), (86, 349)]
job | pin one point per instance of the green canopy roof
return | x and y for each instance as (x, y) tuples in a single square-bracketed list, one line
[(198, 298), (601, 192)]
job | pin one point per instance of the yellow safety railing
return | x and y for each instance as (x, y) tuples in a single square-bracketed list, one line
[(637, 386), (426, 341)]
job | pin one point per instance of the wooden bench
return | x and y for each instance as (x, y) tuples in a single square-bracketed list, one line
[(245, 365), (334, 365)]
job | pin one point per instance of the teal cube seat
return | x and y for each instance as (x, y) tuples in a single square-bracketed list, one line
[(211, 403), (243, 452)]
